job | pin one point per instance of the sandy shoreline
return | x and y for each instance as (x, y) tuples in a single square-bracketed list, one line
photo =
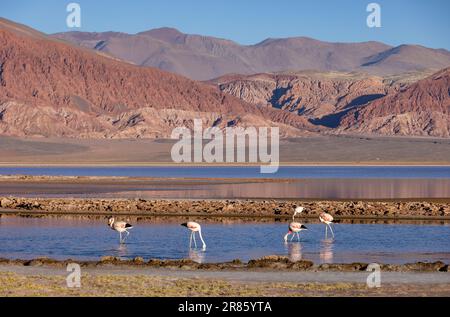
[(320, 150)]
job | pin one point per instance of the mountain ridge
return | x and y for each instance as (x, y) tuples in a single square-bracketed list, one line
[(202, 57)]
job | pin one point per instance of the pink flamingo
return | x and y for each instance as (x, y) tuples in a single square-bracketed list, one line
[(120, 226), (194, 227), (327, 219)]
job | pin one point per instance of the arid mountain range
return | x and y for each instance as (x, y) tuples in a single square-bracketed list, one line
[(50, 88), (53, 88), (204, 58)]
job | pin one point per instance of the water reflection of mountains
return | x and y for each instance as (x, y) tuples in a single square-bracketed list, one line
[(306, 189), (405, 188)]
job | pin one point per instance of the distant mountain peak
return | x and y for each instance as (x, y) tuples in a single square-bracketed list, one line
[(163, 33)]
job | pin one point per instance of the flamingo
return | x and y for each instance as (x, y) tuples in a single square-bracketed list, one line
[(194, 227), (119, 226), (295, 227), (327, 219)]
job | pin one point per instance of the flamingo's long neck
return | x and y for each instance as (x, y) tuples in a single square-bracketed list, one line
[(286, 237), (201, 238)]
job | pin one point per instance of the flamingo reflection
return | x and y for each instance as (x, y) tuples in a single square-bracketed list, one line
[(294, 251), (326, 250), (121, 251), (196, 255)]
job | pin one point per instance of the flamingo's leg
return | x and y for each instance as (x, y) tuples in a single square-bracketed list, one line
[(190, 240), (326, 231), (331, 230), (298, 237), (293, 235), (120, 237), (195, 241)]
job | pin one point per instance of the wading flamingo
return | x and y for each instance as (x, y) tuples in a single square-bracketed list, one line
[(294, 229), (194, 227), (327, 219), (120, 226)]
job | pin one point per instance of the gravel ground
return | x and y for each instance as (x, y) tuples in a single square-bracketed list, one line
[(50, 281), (225, 208)]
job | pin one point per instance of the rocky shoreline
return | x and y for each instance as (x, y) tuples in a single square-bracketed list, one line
[(271, 262), (224, 208)]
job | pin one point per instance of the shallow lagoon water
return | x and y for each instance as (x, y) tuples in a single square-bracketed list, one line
[(288, 172), (290, 182), (86, 239)]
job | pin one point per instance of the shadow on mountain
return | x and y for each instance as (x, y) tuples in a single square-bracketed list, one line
[(362, 100), (277, 94), (333, 120)]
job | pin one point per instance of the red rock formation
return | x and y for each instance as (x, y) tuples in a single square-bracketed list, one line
[(51, 88), (310, 94), (422, 108)]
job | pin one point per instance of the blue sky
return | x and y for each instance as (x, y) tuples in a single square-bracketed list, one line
[(424, 22)]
